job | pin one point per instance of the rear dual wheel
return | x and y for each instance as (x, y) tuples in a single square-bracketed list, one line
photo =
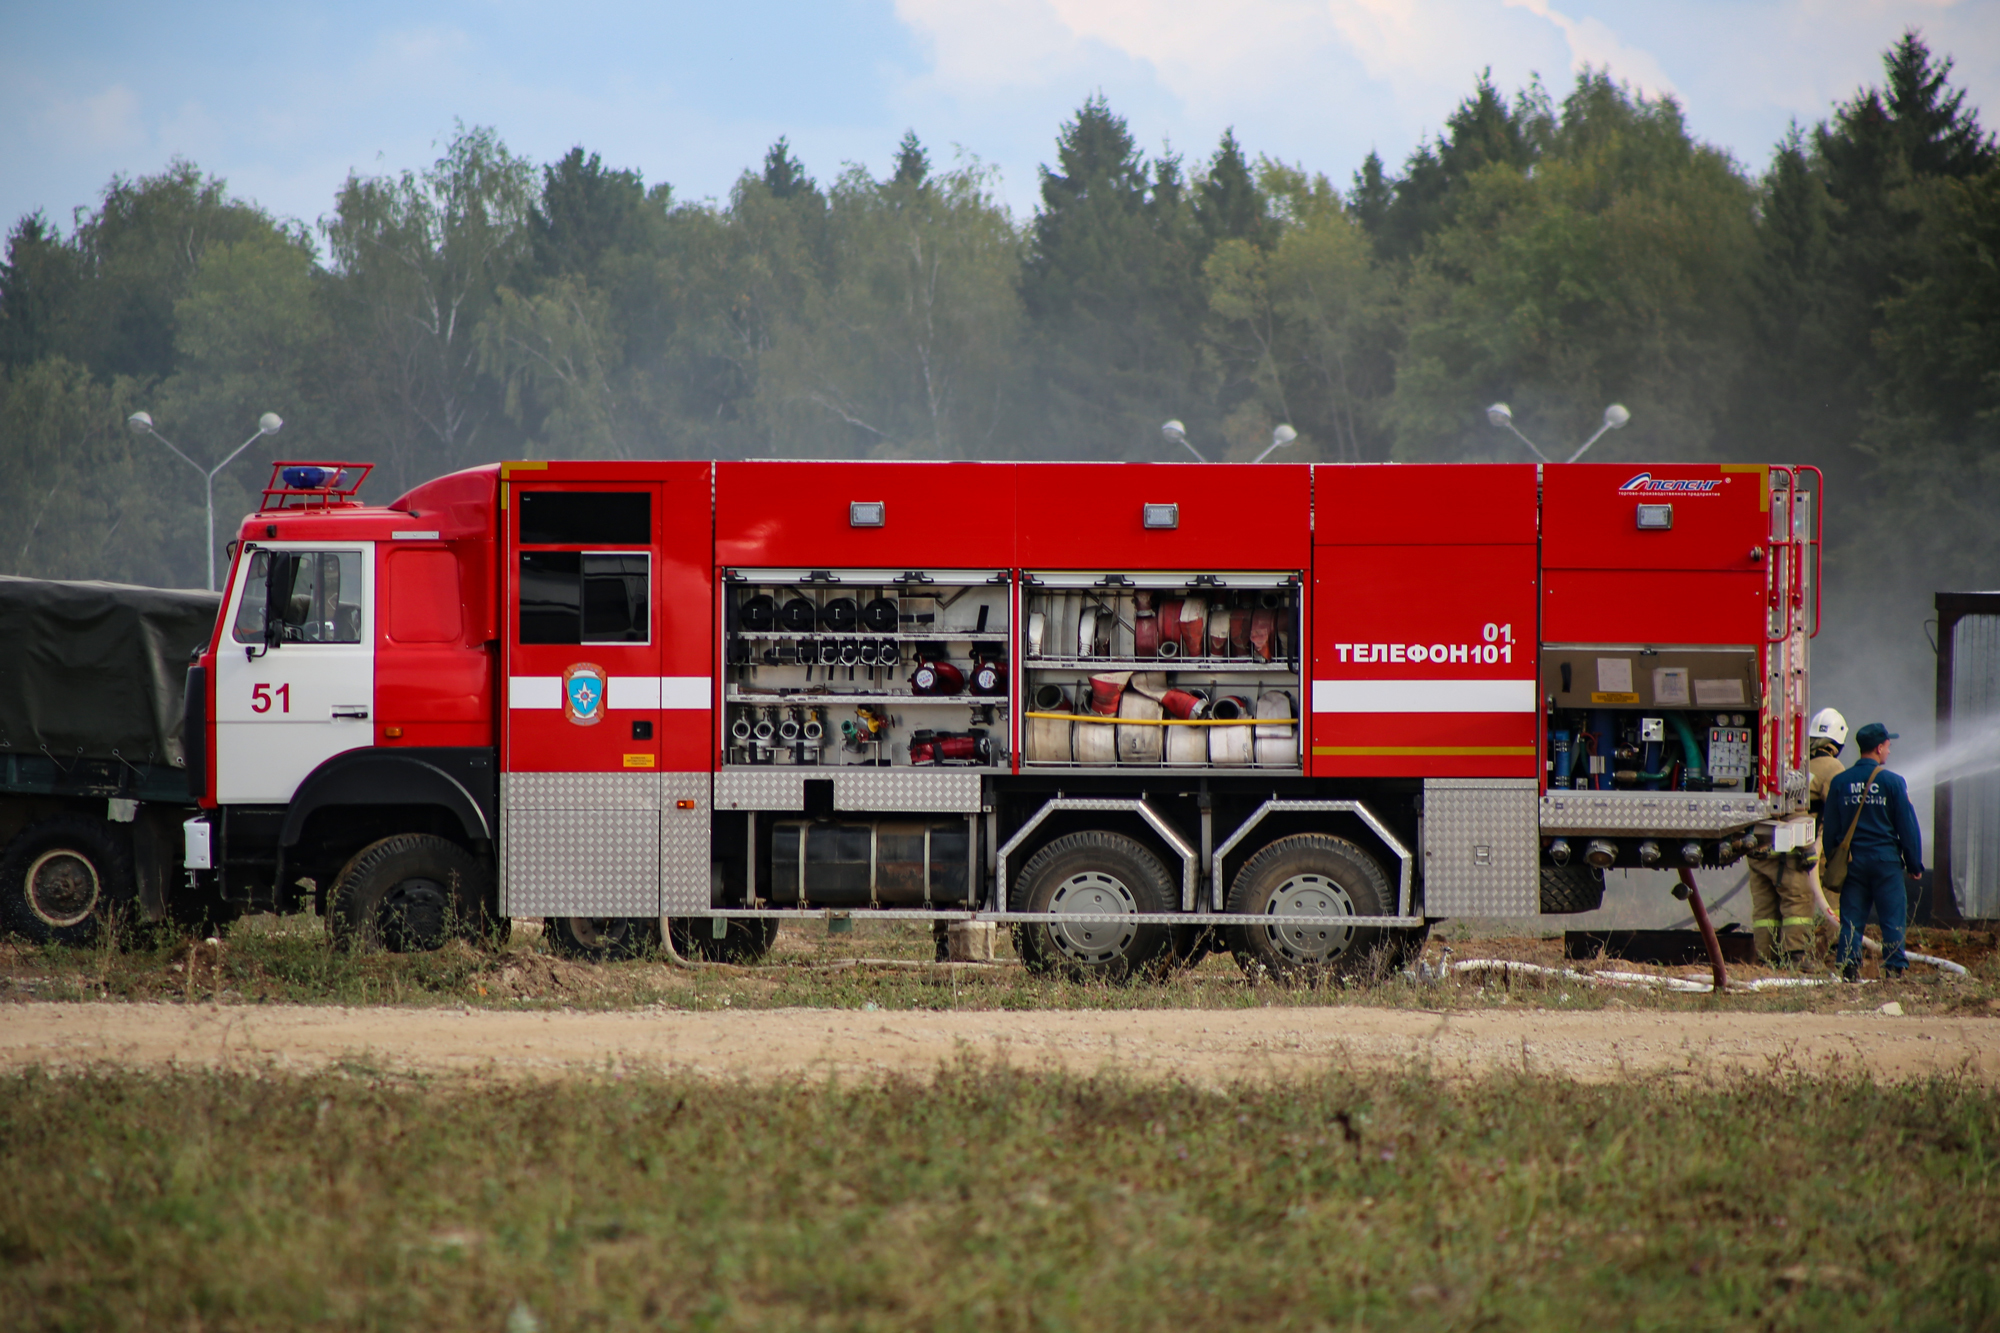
[(1308, 875), (1095, 878)]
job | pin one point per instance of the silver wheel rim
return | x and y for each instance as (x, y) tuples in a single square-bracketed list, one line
[(62, 888), (1310, 942), (1093, 893)]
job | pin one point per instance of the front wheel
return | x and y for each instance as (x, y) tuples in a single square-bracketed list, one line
[(408, 894), (63, 879), (1096, 878), (1324, 880)]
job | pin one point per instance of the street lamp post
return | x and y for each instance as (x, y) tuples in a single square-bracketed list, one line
[(1177, 433), (268, 424), (1280, 437), (1502, 417)]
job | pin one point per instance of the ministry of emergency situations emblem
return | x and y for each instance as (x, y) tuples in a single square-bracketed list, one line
[(583, 693)]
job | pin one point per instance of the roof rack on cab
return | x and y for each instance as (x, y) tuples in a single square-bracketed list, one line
[(313, 485)]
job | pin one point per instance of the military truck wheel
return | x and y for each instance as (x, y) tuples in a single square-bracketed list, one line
[(601, 939), (1571, 888), (1315, 876), (1093, 874), (62, 880), (409, 893)]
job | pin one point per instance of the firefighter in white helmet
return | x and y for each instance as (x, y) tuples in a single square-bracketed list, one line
[(1784, 915), (1825, 735)]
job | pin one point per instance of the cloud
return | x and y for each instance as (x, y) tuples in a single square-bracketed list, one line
[(1593, 45), (106, 120)]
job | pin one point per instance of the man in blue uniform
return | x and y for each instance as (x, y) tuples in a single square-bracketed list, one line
[(1887, 846)]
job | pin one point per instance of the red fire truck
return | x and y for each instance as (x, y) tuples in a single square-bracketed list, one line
[(1132, 710)]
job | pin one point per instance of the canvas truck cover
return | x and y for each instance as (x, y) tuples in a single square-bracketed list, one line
[(95, 670)]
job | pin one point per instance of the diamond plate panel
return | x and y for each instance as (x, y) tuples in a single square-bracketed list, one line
[(1651, 812), (906, 790), (761, 789), (1482, 855), (580, 791), (684, 843), (583, 863)]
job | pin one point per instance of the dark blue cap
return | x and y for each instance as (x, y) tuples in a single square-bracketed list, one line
[(1871, 736)]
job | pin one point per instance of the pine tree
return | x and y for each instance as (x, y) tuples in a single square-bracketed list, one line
[(1228, 203), (913, 164), (585, 209), (784, 175)]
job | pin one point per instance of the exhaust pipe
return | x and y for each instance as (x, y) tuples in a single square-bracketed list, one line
[(1601, 853)]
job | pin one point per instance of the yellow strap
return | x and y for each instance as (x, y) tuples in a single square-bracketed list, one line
[(1800, 920), (1764, 924), (1169, 721)]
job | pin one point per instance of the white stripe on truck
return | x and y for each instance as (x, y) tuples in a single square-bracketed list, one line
[(1423, 696), (627, 693)]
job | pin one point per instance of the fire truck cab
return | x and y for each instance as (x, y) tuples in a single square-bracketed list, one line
[(1134, 711)]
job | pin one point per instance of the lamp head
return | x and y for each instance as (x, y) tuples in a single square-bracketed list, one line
[(1282, 436), (1175, 431), (1616, 416), (1499, 415), (140, 422), (270, 424)]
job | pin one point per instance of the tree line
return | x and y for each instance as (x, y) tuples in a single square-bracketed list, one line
[(1839, 307)]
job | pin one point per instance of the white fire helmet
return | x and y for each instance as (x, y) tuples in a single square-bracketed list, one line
[(1829, 725)]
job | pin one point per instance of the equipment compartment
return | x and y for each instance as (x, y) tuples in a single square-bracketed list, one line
[(1161, 670), (1644, 718), (866, 668)]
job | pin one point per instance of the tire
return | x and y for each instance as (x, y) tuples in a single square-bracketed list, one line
[(601, 939), (64, 879), (1308, 874), (1094, 873), (748, 939), (1573, 888), (410, 893)]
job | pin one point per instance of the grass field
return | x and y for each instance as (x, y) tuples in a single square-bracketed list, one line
[(270, 960), (994, 1200)]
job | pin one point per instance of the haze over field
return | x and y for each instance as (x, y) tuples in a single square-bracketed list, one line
[(1638, 226)]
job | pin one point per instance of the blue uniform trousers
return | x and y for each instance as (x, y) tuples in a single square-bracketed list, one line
[(1879, 885)]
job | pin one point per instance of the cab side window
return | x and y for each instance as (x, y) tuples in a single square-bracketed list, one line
[(316, 596)]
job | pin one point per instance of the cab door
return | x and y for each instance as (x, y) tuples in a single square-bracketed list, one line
[(289, 699), (580, 781)]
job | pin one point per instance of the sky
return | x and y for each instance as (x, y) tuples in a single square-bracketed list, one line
[(284, 101)]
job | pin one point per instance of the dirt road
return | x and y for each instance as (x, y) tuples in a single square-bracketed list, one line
[(1206, 1046)]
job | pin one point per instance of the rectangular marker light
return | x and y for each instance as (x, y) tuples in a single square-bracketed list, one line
[(867, 514), (1161, 516), (1656, 516)]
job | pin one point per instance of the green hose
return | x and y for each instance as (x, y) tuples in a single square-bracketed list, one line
[(1689, 745)]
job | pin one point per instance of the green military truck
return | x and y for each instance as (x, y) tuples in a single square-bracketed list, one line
[(93, 773)]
